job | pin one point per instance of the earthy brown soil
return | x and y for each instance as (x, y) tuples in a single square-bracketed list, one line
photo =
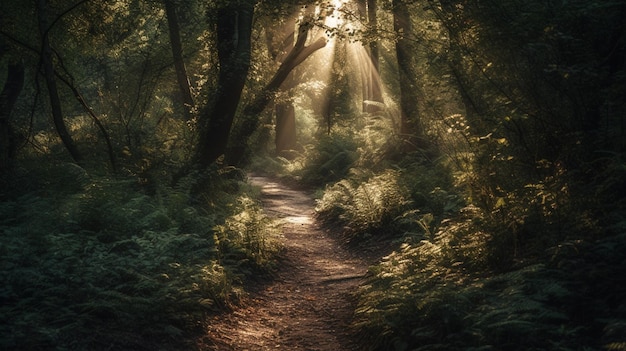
[(308, 305)]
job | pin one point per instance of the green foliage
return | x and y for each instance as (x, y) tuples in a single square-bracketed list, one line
[(422, 298), (248, 235), (484, 264), (512, 239), (330, 159), (368, 204), (110, 267), (378, 139)]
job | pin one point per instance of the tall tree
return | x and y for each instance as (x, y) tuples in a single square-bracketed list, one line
[(280, 41), (284, 109), (234, 30), (370, 74), (53, 93), (250, 115), (177, 52), (410, 129), (8, 97), (453, 24), (286, 131)]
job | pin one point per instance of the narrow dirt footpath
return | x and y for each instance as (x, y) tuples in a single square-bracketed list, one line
[(308, 306)]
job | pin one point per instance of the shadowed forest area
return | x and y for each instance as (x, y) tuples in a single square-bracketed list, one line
[(472, 150)]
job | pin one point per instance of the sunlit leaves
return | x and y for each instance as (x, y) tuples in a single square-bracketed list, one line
[(424, 297), (365, 207), (248, 234)]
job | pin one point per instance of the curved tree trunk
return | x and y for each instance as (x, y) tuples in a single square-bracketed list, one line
[(410, 126), (81, 100), (250, 115), (177, 52), (53, 93), (234, 30), (8, 97)]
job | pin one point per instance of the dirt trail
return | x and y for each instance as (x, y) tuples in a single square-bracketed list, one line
[(308, 305)]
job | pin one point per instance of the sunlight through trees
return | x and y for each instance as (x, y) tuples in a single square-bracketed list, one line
[(476, 148)]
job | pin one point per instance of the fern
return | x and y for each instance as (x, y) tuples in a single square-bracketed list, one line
[(330, 159), (367, 206), (109, 267)]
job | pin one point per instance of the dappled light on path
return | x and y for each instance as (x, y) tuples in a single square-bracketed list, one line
[(299, 219), (307, 305)]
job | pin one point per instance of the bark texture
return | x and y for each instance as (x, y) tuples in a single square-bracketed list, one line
[(53, 93), (177, 53), (234, 30), (8, 98), (410, 127)]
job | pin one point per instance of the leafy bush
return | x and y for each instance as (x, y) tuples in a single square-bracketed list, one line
[(366, 207), (409, 202), (112, 268), (329, 160), (420, 298), (524, 273), (248, 235)]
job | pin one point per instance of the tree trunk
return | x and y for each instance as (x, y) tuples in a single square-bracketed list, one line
[(295, 58), (285, 126), (53, 93), (370, 77), (179, 63), (410, 127), (8, 97), (286, 138), (250, 115), (81, 100), (472, 108), (375, 96), (234, 30), (285, 112)]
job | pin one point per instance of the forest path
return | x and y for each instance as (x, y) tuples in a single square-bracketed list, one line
[(308, 305)]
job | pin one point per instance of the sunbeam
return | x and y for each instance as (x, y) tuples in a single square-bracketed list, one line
[(368, 74), (356, 64), (334, 19)]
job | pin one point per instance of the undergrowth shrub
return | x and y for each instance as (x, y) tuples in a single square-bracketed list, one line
[(248, 235), (378, 140), (364, 207), (368, 141), (525, 216), (515, 272), (274, 165), (108, 267), (454, 290), (330, 159), (407, 201), (420, 298)]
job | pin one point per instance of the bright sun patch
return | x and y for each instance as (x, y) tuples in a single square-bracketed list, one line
[(334, 18)]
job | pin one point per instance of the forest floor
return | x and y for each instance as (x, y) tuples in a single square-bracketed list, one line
[(309, 303)]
